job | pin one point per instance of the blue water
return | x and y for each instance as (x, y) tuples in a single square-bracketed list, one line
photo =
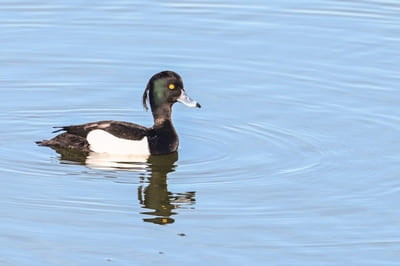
[(293, 159)]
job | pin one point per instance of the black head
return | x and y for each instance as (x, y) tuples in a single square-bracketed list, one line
[(163, 90)]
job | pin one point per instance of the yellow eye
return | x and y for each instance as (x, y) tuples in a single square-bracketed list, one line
[(171, 86)]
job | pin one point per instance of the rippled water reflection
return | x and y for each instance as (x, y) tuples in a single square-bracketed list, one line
[(152, 193), (293, 158)]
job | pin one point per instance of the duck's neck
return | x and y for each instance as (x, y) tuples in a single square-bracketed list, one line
[(161, 115), (159, 122)]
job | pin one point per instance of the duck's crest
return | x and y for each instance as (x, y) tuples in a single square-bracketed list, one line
[(146, 96)]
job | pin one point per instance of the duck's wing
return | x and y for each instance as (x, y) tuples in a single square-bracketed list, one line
[(119, 129)]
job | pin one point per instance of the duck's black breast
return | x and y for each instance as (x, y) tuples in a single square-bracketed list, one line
[(163, 138)]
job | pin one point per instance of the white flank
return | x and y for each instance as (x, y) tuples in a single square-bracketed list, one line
[(102, 141)]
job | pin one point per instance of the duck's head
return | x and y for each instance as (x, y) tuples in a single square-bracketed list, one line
[(163, 90)]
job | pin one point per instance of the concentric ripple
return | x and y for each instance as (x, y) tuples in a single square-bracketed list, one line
[(234, 150)]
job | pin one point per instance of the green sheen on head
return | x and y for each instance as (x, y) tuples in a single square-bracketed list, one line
[(159, 92), (163, 90)]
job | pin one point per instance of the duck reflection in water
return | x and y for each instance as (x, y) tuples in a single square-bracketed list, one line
[(153, 192), (155, 195)]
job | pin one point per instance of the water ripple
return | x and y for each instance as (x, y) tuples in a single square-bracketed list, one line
[(225, 156)]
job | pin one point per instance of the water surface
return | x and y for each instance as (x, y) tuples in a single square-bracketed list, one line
[(293, 158)]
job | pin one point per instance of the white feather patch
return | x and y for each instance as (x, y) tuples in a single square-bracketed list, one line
[(102, 141)]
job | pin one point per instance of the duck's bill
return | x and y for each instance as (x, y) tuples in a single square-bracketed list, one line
[(186, 100)]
